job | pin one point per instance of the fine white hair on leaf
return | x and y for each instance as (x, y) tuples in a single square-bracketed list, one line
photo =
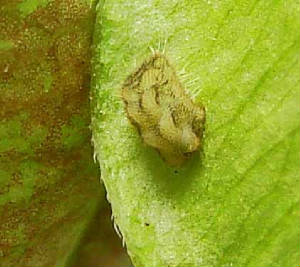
[(164, 47), (123, 242), (152, 50), (117, 230), (95, 157)]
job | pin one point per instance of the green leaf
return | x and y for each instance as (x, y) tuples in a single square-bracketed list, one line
[(26, 7), (236, 203)]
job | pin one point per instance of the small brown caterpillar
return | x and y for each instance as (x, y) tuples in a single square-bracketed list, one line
[(163, 113)]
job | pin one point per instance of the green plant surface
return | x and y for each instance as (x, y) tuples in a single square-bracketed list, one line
[(47, 174), (236, 203)]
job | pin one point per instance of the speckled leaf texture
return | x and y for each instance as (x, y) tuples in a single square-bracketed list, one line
[(48, 181), (236, 203)]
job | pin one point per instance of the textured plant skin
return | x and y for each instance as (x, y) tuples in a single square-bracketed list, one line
[(163, 113), (238, 205), (47, 175)]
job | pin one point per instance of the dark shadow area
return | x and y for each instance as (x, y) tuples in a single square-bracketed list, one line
[(101, 246)]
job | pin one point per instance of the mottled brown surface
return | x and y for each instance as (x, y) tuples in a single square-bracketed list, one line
[(166, 117), (49, 185)]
